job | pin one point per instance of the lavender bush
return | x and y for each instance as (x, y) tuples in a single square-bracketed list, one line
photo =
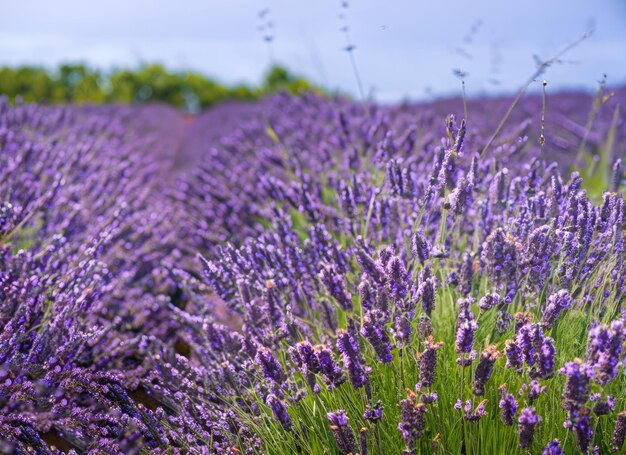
[(327, 277)]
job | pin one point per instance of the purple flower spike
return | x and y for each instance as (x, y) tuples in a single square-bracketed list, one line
[(333, 374), (352, 358), (619, 434), (508, 406), (528, 419), (602, 406), (557, 303), (489, 301), (428, 363), (470, 414), (513, 355), (605, 347), (466, 327), (412, 425), (577, 386), (374, 413), (583, 432), (420, 247), (280, 411), (373, 330), (272, 369), (334, 282), (553, 448), (426, 294), (342, 431), (484, 368)]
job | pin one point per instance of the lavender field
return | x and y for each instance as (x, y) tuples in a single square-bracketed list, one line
[(314, 275)]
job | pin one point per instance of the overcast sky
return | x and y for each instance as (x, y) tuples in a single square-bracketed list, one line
[(404, 48)]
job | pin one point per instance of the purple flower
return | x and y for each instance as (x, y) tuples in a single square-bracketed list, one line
[(352, 358), (528, 419), (513, 355), (508, 406), (466, 274), (333, 374), (534, 390), (425, 328), (466, 327), (602, 406), (583, 432), (280, 411), (536, 350), (556, 304), (374, 413), (412, 422), (500, 256), (553, 448), (396, 278), (304, 356), (577, 387), (426, 293), (363, 441), (334, 282), (484, 368), (546, 358), (420, 247), (373, 330), (402, 329), (459, 198), (604, 351), (366, 293), (469, 413), (489, 301), (372, 268), (342, 431), (272, 369), (427, 363), (619, 433)]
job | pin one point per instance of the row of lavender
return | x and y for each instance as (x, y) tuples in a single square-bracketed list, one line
[(370, 246), (382, 245)]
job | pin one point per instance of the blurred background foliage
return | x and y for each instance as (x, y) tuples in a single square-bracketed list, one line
[(192, 91)]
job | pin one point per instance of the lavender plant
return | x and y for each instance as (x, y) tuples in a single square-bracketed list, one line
[(330, 277)]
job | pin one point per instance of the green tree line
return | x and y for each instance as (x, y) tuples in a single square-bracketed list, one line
[(79, 83)]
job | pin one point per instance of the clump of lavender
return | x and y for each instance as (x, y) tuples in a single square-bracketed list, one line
[(536, 351), (115, 339)]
